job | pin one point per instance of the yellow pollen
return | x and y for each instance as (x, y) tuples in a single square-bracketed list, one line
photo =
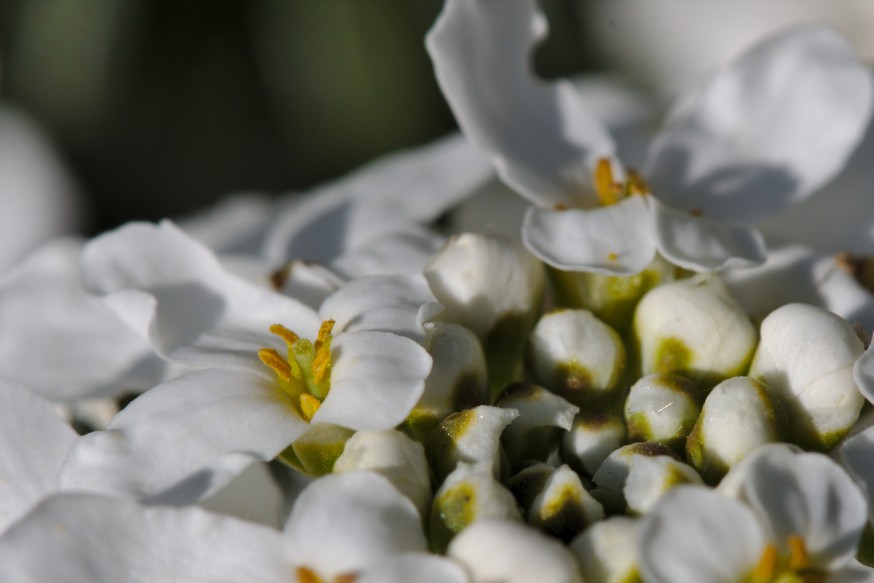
[(608, 191), (309, 405), (798, 558), (321, 363), (275, 361), (305, 575), (612, 257), (346, 578), (767, 566), (324, 332), (284, 333), (636, 184)]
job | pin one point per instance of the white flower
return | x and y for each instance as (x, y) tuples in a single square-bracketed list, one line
[(351, 525), (733, 151), (801, 516), (182, 440)]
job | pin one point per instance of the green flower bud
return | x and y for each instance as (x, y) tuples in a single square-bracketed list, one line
[(470, 493), (695, 328), (577, 356)]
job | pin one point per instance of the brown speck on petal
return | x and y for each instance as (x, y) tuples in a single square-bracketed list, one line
[(696, 212)]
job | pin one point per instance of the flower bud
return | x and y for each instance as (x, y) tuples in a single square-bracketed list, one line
[(613, 473), (543, 419), (612, 298), (607, 551), (470, 493), (650, 477), (663, 408), (806, 358), (494, 287), (591, 438), (499, 550), (577, 356), (457, 380), (554, 500), (396, 457), (738, 416), (695, 328), (471, 436)]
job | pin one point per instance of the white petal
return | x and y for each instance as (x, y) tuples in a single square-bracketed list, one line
[(343, 522), (234, 225), (185, 439), (615, 240), (855, 454), (766, 131), (808, 495), (395, 253), (33, 445), (702, 244), (309, 283), (174, 291), (376, 380), (854, 573), (678, 538), (542, 137), (389, 303), (92, 539), (418, 567), (863, 373), (62, 342), (838, 218)]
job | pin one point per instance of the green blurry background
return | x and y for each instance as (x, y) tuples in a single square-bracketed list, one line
[(160, 107)]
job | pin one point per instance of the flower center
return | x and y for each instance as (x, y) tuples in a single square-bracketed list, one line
[(304, 374), (794, 568), (307, 575), (610, 191)]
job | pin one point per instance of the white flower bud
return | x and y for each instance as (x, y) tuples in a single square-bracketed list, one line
[(806, 358), (695, 328), (577, 356), (543, 419), (607, 551), (494, 287), (497, 550), (663, 408), (472, 436), (457, 380), (470, 493), (591, 438), (739, 415), (650, 477), (613, 473), (394, 455)]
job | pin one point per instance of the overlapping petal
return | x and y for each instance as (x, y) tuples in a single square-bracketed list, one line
[(542, 138), (615, 240), (766, 131), (186, 438)]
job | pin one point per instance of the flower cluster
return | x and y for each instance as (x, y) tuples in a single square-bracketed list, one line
[(413, 375)]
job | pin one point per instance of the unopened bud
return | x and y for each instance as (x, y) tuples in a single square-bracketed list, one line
[(663, 408), (591, 438), (607, 551), (651, 477)]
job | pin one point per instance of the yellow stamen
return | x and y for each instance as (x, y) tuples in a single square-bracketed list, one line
[(635, 184), (324, 332), (611, 257), (798, 557), (275, 361), (284, 333), (309, 405), (306, 575), (767, 566), (322, 363), (346, 578), (608, 191)]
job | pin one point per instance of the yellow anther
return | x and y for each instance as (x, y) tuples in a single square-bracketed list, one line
[(635, 184), (322, 363), (609, 192), (611, 257), (766, 568), (798, 557), (284, 333), (275, 361), (324, 332), (346, 578), (309, 405), (306, 575)]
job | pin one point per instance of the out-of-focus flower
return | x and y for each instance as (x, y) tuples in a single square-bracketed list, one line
[(733, 151)]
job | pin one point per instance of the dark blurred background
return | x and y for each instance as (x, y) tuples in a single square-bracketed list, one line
[(160, 107)]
